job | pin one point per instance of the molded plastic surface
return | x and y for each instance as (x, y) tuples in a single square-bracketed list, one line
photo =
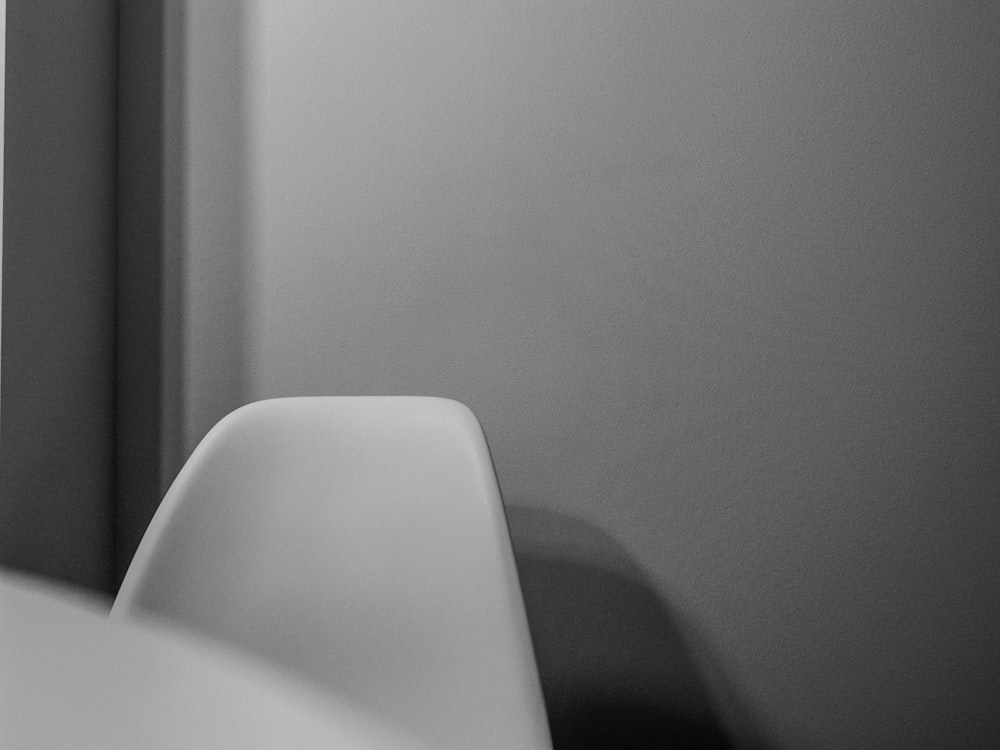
[(71, 678), (360, 542)]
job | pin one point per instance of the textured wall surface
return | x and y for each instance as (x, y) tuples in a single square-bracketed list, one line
[(721, 280)]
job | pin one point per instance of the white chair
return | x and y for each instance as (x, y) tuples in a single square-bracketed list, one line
[(361, 543)]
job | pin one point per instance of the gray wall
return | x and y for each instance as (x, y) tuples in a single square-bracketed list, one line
[(141, 389), (720, 280), (58, 349)]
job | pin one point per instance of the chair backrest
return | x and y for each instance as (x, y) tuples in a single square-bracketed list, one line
[(360, 542)]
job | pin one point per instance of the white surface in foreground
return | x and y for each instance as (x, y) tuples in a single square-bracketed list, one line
[(70, 677)]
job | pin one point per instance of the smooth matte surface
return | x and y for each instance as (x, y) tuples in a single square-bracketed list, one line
[(3, 76), (720, 279), (72, 678), (361, 543), (57, 445), (140, 392)]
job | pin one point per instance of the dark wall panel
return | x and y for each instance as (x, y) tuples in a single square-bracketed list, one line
[(57, 444), (141, 114)]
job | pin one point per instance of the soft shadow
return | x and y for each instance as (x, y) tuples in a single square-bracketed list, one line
[(616, 668), (140, 277), (181, 275)]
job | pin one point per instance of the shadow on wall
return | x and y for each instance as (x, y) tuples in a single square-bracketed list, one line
[(615, 666)]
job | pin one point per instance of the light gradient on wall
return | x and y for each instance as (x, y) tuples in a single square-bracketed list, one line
[(720, 279)]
